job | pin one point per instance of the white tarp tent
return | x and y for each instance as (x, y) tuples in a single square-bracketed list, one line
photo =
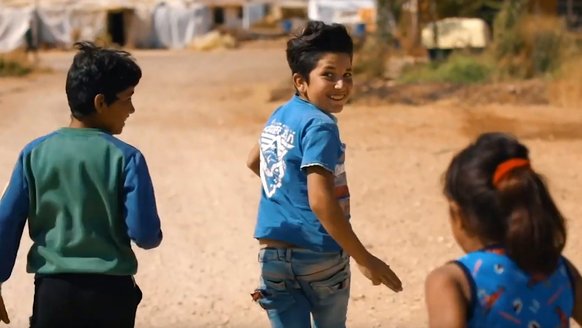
[(145, 24), (14, 22), (175, 26), (54, 25), (141, 33), (237, 14), (347, 12), (252, 13)]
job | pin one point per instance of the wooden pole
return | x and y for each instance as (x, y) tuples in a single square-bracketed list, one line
[(570, 11), (415, 24)]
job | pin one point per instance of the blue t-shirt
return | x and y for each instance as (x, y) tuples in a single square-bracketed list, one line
[(298, 135), (503, 295)]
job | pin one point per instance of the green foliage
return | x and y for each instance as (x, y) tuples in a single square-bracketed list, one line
[(545, 53), (458, 69), (383, 33), (524, 46), (13, 68), (485, 9), (466, 7)]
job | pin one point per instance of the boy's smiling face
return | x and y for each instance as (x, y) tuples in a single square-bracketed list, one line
[(330, 82)]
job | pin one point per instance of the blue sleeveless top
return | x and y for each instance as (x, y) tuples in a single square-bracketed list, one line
[(503, 295)]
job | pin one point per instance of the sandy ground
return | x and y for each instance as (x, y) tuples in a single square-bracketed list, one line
[(198, 114)]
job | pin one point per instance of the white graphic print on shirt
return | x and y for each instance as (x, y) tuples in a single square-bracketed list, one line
[(276, 140)]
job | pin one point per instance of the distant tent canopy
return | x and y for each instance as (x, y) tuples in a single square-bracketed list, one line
[(14, 23), (143, 24), (175, 26), (237, 14), (347, 12), (293, 9)]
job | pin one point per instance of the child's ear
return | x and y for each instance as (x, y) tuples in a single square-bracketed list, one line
[(456, 215), (99, 103), (300, 83)]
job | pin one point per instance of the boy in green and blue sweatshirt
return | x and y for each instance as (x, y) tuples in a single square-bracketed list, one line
[(86, 195)]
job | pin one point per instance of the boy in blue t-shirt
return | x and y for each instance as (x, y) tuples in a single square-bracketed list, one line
[(303, 220), (85, 194)]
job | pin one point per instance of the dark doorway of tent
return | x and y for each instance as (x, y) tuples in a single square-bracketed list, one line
[(218, 16), (116, 24)]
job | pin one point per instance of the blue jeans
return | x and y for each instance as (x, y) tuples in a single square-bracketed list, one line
[(296, 284)]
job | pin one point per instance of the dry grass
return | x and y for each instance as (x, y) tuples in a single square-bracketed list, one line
[(15, 63), (21, 63), (535, 46), (566, 90)]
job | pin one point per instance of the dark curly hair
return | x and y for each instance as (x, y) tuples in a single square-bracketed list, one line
[(317, 38), (97, 70), (516, 211)]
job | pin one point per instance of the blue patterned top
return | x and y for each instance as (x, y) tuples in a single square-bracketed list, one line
[(503, 295)]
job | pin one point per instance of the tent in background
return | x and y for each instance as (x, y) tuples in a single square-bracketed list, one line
[(347, 12), (176, 25), (14, 23), (237, 14), (130, 23)]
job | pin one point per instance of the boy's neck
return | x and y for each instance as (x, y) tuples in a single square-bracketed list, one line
[(79, 124), (304, 98)]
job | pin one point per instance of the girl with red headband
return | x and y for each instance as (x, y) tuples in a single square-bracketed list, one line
[(503, 217)]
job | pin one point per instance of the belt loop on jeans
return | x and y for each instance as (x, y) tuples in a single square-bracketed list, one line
[(280, 253), (284, 254)]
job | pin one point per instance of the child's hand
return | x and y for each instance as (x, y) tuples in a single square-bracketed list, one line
[(380, 273), (3, 313)]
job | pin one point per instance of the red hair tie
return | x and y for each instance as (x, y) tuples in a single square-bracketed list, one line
[(506, 167)]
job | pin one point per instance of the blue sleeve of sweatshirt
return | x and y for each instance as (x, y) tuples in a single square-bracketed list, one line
[(141, 215), (13, 213)]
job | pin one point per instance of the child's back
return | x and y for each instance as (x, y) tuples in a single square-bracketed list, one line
[(284, 181), (504, 218), (86, 195), (504, 294), (76, 178), (303, 219)]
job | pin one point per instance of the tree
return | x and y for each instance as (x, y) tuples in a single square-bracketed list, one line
[(383, 21), (485, 9)]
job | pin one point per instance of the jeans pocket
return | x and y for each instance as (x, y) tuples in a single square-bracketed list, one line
[(328, 287), (275, 295)]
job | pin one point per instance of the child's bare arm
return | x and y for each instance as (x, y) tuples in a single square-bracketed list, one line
[(323, 202), (577, 280), (445, 299), (253, 161)]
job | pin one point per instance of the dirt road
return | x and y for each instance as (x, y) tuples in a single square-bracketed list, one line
[(198, 114)]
